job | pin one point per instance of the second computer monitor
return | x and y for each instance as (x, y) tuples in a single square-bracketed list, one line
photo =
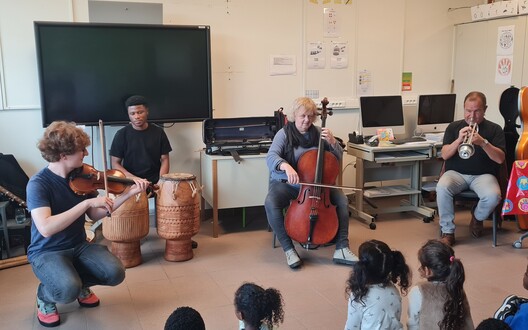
[(435, 112), (379, 112)]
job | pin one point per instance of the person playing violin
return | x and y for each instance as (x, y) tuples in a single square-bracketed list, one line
[(61, 258), (298, 136)]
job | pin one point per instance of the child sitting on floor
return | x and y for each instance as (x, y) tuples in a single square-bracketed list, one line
[(514, 309), (374, 301), (440, 302), (258, 308)]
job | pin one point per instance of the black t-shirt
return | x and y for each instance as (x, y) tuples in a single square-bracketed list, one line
[(479, 163), (141, 151)]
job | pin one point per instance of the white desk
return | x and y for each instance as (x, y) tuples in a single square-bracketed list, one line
[(390, 163), (228, 184)]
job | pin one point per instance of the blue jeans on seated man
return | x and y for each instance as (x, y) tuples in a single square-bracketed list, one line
[(279, 196), (451, 183), (64, 273)]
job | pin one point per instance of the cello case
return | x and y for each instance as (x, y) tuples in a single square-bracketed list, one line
[(509, 109), (521, 150)]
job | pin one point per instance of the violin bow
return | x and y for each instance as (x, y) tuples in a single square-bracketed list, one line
[(103, 146)]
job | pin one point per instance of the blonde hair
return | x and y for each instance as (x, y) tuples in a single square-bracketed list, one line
[(302, 102)]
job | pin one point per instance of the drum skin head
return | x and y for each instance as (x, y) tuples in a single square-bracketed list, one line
[(178, 176)]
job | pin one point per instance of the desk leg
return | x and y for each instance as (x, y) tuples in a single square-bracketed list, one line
[(357, 209), (215, 198)]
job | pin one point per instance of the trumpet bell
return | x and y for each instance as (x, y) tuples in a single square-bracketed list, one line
[(466, 150)]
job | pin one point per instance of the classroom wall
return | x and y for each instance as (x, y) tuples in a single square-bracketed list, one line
[(385, 37), (476, 61)]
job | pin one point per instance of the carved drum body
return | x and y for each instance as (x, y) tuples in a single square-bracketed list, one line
[(178, 214), (126, 227)]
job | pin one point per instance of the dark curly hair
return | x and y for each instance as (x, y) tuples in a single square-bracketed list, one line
[(440, 259), (259, 306), (62, 138), (377, 264), (185, 318)]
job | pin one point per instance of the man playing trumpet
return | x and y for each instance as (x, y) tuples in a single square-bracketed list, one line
[(485, 141)]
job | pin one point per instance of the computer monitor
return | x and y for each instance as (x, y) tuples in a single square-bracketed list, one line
[(435, 112), (381, 112)]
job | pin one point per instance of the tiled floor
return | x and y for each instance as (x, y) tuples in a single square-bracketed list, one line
[(314, 295)]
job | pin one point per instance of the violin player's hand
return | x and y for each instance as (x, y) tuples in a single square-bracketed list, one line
[(102, 202), (139, 186), (327, 135)]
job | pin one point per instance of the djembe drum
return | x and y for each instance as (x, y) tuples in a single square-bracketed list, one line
[(178, 214), (127, 225)]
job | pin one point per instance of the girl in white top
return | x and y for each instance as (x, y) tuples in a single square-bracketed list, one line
[(374, 300)]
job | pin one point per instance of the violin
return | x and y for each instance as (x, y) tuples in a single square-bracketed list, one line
[(86, 180)]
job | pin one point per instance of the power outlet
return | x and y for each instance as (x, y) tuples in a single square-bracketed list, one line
[(338, 103), (410, 100)]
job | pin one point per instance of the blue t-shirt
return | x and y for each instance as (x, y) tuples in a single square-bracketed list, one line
[(47, 189), (519, 321)]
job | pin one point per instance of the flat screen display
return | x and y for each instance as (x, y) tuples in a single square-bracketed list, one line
[(381, 112), (435, 112), (87, 71)]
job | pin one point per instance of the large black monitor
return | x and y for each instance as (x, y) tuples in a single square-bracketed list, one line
[(435, 112), (87, 71), (381, 112)]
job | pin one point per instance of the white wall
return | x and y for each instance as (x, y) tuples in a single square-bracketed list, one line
[(386, 37), (476, 61)]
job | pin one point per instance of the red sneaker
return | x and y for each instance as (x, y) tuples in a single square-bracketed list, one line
[(47, 314), (87, 298)]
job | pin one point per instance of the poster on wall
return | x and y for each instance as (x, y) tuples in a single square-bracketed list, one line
[(503, 70), (339, 58), (505, 40), (364, 83), (331, 24), (316, 55), (407, 81), (282, 65), (504, 63)]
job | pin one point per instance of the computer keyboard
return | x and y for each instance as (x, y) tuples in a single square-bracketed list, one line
[(408, 140)]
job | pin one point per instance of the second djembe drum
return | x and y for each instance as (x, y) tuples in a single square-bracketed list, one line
[(178, 214)]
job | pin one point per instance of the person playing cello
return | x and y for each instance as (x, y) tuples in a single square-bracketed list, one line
[(61, 258), (289, 144)]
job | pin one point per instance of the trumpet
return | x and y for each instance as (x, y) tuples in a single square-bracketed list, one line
[(466, 148)]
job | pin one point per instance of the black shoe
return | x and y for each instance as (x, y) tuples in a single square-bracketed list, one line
[(509, 307), (194, 244)]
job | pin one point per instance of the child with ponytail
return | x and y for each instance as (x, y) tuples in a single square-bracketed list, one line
[(258, 308), (374, 301), (440, 302)]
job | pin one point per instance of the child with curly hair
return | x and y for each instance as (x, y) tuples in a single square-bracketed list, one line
[(374, 301), (440, 302), (258, 308)]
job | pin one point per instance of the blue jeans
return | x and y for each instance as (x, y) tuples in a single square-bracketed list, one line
[(451, 183), (279, 196), (64, 273)]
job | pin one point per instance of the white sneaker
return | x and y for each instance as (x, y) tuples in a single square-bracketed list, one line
[(345, 256), (293, 258)]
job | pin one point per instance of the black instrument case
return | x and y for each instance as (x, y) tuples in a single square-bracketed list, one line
[(239, 136)]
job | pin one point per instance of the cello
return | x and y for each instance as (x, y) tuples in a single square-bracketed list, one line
[(311, 219)]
